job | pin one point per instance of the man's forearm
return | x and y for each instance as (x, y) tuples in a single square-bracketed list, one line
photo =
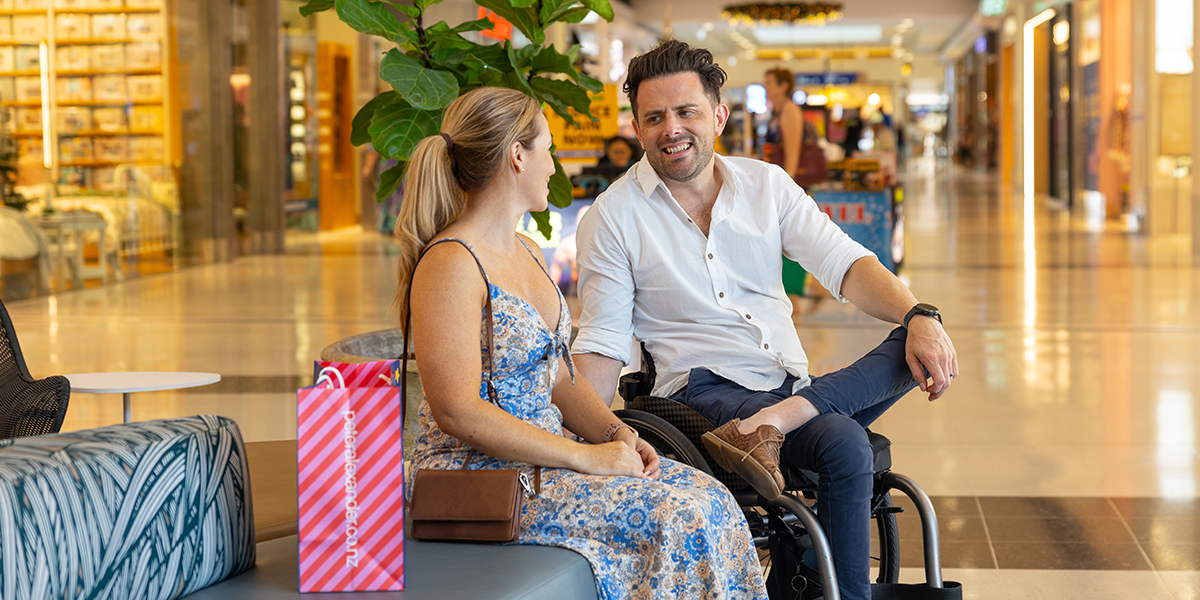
[(876, 291), (600, 371)]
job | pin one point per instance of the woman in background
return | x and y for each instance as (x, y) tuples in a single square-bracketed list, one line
[(790, 144)]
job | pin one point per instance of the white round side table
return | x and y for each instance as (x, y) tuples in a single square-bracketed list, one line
[(126, 383)]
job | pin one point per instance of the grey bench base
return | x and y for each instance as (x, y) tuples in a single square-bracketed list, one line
[(433, 571)]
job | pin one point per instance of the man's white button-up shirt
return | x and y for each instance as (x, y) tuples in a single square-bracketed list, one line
[(716, 301)]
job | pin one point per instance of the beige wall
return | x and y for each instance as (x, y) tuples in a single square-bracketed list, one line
[(331, 29)]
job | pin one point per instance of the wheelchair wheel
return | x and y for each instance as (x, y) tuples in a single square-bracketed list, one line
[(668, 441), (889, 540)]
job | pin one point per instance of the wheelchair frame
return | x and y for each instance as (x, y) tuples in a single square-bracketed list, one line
[(634, 388)]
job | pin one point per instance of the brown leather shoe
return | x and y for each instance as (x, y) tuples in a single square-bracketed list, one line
[(755, 457)]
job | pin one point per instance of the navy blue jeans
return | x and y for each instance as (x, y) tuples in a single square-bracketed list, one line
[(833, 445)]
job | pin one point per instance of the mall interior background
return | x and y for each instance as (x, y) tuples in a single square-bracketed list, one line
[(201, 131), (1043, 150)]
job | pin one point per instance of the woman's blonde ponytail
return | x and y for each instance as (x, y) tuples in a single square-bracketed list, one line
[(477, 129)]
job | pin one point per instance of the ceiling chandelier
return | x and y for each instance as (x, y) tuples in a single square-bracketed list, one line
[(788, 13)]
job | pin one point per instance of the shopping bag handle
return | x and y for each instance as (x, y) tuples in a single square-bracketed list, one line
[(324, 376)]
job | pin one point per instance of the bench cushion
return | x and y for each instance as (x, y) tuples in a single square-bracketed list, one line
[(157, 509), (432, 571)]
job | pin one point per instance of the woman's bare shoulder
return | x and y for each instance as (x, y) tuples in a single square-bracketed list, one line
[(449, 266), (532, 245)]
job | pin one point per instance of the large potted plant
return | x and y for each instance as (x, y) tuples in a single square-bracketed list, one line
[(432, 65)]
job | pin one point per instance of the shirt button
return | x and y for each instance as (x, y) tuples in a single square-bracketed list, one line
[(766, 346), (747, 316), (721, 295), (710, 255)]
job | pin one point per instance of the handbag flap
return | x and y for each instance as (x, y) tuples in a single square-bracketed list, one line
[(459, 495)]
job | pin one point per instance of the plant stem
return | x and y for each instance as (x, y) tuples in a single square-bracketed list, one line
[(542, 26), (421, 40)]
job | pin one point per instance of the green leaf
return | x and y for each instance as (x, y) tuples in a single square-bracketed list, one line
[(524, 19), (372, 18), (412, 11), (441, 36), (550, 60), (561, 190), (589, 83), (600, 7), (543, 222), (315, 6), (553, 10), (424, 4), (560, 94), (490, 78), (556, 104), (573, 15), (407, 35), (513, 80), (522, 3), (359, 133), (480, 25), (521, 57), (494, 56), (389, 180), (423, 88), (397, 127)]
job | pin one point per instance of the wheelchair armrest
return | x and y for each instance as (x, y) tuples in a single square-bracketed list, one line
[(881, 447), (633, 385)]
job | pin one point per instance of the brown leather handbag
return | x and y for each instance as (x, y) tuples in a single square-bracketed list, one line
[(462, 505)]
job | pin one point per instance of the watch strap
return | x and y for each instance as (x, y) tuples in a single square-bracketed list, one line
[(920, 309)]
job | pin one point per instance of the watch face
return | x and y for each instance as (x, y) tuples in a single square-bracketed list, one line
[(926, 308)]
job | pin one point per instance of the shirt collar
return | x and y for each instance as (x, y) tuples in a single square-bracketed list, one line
[(647, 178)]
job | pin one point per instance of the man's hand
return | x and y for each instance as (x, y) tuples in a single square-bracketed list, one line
[(929, 348)]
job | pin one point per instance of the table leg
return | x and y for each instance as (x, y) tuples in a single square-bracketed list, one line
[(77, 281), (125, 396)]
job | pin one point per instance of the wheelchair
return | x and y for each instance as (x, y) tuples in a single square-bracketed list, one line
[(787, 524)]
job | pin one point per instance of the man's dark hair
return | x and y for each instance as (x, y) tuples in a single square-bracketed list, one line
[(669, 58)]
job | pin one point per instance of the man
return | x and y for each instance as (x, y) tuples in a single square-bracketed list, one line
[(684, 252)]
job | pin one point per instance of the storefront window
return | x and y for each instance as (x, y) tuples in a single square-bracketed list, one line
[(301, 170), (1173, 36), (88, 111)]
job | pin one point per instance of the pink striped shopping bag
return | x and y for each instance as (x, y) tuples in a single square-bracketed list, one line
[(350, 482)]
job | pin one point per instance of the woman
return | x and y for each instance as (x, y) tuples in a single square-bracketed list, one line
[(618, 152), (789, 144), (648, 528)]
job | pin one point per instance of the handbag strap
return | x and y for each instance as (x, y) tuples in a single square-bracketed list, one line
[(487, 305)]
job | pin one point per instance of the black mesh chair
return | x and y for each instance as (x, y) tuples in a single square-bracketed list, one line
[(27, 406), (674, 429)]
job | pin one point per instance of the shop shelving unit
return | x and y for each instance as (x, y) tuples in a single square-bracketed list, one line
[(89, 30)]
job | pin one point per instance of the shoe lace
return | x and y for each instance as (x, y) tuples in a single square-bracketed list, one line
[(775, 438)]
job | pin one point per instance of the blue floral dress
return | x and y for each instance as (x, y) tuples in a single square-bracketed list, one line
[(682, 536)]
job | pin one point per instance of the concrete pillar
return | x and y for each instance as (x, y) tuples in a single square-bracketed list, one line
[(264, 217), (205, 62)]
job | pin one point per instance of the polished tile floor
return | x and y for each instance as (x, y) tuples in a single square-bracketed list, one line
[(1064, 459)]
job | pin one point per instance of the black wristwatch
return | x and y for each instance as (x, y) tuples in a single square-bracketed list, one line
[(925, 310)]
